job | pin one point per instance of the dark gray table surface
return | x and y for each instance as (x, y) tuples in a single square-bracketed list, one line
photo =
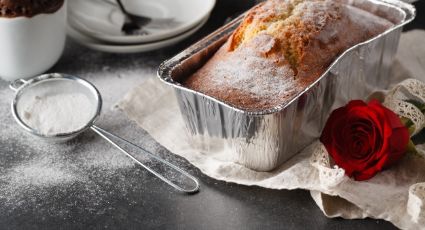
[(129, 197)]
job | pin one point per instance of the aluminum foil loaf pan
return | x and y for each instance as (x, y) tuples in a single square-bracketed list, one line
[(263, 140)]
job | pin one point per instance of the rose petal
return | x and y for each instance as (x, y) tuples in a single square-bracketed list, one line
[(364, 138)]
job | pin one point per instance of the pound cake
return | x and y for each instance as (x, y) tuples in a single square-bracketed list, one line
[(28, 8), (280, 48)]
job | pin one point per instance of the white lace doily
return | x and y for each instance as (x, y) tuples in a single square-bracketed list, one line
[(399, 99)]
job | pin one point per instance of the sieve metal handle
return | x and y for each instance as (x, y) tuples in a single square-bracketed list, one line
[(109, 136)]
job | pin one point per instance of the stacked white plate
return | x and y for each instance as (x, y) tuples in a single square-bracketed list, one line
[(97, 24)]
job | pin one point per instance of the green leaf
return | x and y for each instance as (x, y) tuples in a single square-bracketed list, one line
[(411, 149), (409, 124)]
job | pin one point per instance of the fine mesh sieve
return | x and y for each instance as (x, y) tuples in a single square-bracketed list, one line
[(50, 85)]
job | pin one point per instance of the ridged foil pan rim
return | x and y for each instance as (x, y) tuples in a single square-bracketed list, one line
[(165, 68)]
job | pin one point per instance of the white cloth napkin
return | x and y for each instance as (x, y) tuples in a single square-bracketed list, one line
[(395, 195)]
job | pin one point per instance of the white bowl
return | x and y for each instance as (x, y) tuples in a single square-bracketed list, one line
[(102, 20), (131, 48), (31, 45)]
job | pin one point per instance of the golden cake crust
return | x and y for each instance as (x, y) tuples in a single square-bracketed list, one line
[(280, 48)]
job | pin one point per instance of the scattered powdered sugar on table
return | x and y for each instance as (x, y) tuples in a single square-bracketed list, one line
[(87, 173), (40, 172)]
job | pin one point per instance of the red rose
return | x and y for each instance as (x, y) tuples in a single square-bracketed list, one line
[(363, 139)]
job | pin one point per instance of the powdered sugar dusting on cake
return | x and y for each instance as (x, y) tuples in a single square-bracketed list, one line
[(318, 12), (250, 72), (263, 81)]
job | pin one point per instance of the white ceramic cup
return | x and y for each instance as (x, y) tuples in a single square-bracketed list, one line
[(31, 45)]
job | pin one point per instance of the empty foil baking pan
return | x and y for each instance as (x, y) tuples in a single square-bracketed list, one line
[(263, 140)]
